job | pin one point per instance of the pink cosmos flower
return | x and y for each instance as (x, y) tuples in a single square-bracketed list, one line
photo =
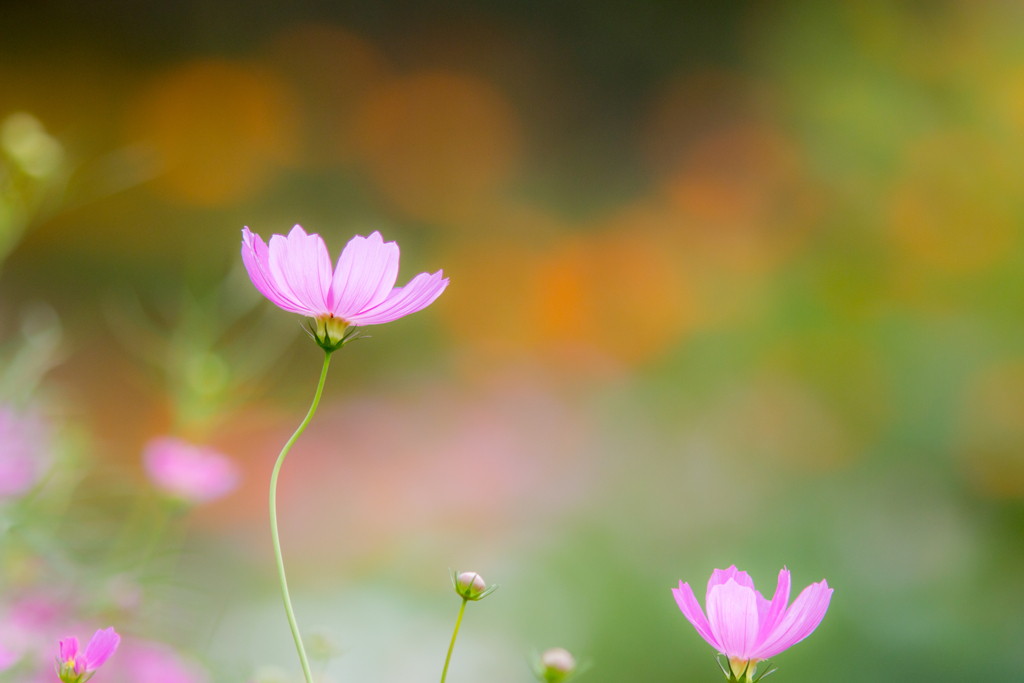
[(77, 667), (743, 625), (194, 474), (24, 451), (295, 273)]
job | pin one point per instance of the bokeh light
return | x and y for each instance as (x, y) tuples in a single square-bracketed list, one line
[(332, 70), (440, 145), (221, 130)]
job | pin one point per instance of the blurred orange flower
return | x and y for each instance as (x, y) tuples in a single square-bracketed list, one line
[(439, 145), (620, 292), (220, 129)]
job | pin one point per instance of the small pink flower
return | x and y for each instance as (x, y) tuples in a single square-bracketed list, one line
[(295, 273), (746, 627), (194, 474), (24, 451), (77, 667)]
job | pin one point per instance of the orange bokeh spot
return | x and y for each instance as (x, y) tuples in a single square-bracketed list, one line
[(489, 309), (953, 209), (621, 294), (220, 130), (743, 191), (440, 145), (991, 439), (331, 69), (693, 105), (616, 296)]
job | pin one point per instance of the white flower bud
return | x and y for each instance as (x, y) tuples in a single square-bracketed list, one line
[(558, 659), (556, 665), (470, 583)]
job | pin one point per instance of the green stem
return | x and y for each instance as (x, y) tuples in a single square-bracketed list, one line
[(155, 535), (458, 622), (273, 523)]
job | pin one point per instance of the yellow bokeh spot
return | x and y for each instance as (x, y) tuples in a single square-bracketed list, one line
[(953, 208)]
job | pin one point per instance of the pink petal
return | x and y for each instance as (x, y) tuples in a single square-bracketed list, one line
[(800, 620), (763, 605), (300, 265), (68, 648), (366, 273), (421, 291), (775, 611), (256, 257), (732, 614), (720, 576), (103, 644), (692, 611)]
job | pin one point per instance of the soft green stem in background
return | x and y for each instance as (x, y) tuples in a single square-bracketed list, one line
[(458, 622), (273, 523)]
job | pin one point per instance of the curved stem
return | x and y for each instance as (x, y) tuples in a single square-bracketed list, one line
[(458, 622), (273, 523)]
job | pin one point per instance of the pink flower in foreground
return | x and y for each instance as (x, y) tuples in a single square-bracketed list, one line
[(295, 273), (744, 626), (77, 667), (194, 474), (24, 456)]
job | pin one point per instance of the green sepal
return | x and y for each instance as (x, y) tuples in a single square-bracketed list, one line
[(324, 341), (469, 593)]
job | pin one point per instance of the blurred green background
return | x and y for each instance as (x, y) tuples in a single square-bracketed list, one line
[(731, 282)]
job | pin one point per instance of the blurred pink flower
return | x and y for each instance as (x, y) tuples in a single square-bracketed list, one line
[(295, 273), (194, 474), (24, 451), (437, 460), (146, 662), (746, 627), (76, 667), (8, 658)]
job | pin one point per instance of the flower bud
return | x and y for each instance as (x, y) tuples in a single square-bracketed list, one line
[(471, 586), (322, 646), (555, 665), (470, 582)]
